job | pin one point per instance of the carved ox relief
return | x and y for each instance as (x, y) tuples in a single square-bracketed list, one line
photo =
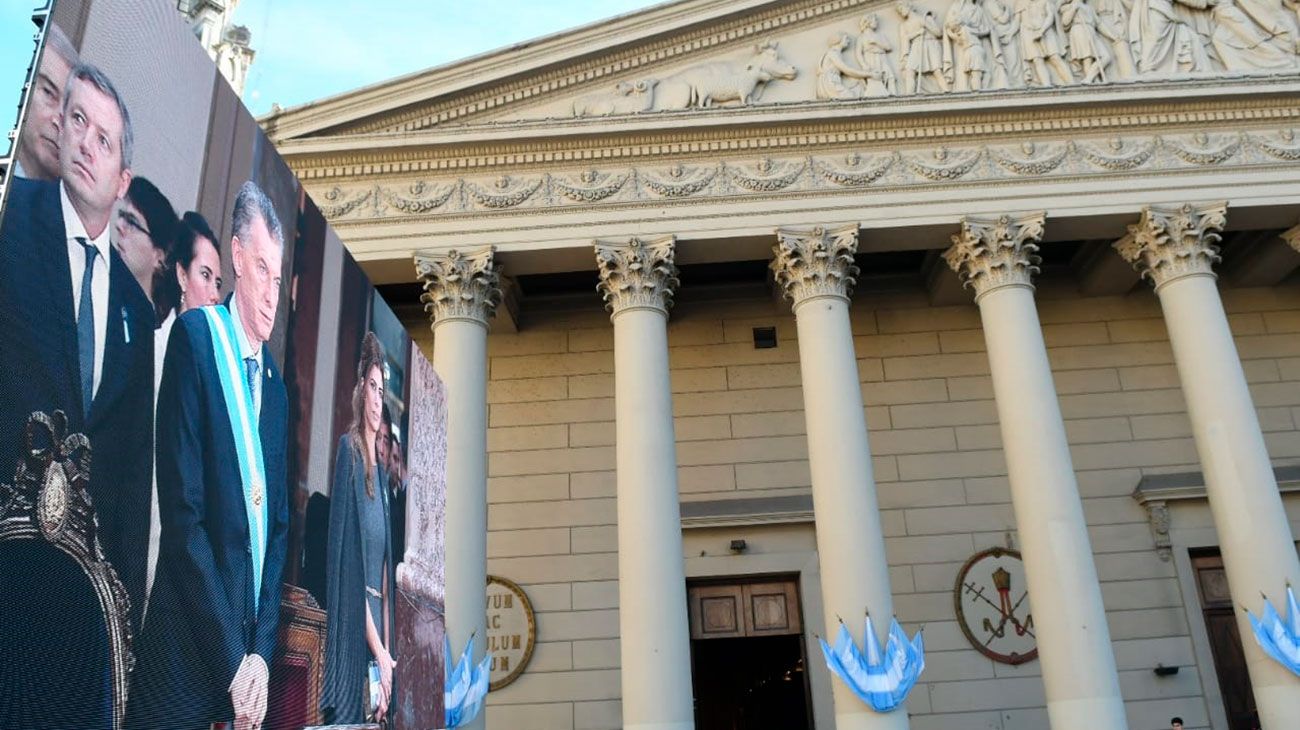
[(698, 86)]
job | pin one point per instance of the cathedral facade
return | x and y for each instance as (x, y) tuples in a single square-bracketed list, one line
[(760, 315)]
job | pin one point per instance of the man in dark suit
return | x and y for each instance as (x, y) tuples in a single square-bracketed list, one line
[(76, 335), (222, 419)]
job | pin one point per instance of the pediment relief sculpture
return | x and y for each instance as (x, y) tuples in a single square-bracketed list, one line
[(943, 46), (700, 86)]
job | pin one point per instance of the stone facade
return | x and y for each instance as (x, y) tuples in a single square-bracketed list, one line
[(940, 474)]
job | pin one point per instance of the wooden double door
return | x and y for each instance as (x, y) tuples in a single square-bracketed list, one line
[(748, 656), (1225, 640)]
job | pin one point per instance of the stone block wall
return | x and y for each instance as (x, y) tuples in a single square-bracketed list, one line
[(938, 463)]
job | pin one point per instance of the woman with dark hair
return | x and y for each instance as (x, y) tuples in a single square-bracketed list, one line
[(359, 567), (143, 234), (190, 277), (193, 279)]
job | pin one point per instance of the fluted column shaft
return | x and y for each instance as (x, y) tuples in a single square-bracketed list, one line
[(461, 295), (997, 259), (815, 270), (637, 279), (1175, 248)]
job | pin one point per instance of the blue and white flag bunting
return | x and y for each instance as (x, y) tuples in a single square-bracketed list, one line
[(467, 685), (1280, 638), (879, 678)]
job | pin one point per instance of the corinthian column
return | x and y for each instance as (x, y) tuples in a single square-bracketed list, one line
[(637, 279), (1175, 249), (997, 259), (461, 295), (814, 270)]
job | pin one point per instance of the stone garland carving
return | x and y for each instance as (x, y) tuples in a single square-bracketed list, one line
[(977, 45), (992, 253), (816, 262), (833, 171), (460, 285), (637, 273), (1170, 243)]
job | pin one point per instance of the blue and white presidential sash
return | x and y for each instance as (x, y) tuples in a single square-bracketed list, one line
[(243, 425)]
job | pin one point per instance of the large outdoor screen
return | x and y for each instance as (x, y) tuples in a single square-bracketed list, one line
[(221, 458)]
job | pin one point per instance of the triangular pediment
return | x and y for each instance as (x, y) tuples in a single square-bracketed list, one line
[(694, 55)]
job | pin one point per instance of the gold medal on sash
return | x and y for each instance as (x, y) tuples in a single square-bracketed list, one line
[(257, 494)]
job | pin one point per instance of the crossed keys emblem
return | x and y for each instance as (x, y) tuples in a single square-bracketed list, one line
[(1006, 633), (1006, 610)]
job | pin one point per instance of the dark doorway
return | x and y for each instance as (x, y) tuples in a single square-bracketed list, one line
[(748, 656), (1225, 640)]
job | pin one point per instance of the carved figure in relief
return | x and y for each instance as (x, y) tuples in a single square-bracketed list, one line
[(1112, 25), (970, 47), (921, 46), (1006, 24), (1040, 42), (724, 81), (1252, 34), (872, 53), (1170, 36), (832, 70), (1079, 21), (628, 97)]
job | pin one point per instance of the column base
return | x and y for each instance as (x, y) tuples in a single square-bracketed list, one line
[(1088, 713), (868, 720)]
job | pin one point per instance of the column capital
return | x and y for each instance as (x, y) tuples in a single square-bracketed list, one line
[(637, 273), (460, 285), (992, 253), (1292, 238), (815, 262), (1171, 242)]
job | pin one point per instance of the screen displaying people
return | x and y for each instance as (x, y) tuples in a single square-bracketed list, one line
[(153, 341)]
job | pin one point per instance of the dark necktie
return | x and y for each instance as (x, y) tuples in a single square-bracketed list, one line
[(86, 329), (250, 369)]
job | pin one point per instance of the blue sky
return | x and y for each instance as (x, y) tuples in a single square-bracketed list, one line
[(309, 49)]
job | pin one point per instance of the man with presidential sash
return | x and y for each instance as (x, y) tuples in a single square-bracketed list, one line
[(206, 648)]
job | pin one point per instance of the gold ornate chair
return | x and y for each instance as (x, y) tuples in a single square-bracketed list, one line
[(65, 632)]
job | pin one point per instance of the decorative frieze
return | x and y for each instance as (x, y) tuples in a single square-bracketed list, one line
[(815, 262), (458, 285), (997, 252), (772, 176), (1168, 243), (637, 273)]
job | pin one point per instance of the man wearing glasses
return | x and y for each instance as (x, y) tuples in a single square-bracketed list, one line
[(143, 233)]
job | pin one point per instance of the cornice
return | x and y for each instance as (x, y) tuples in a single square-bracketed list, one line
[(505, 147), (529, 71)]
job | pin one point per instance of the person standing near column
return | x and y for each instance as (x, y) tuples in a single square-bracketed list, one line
[(1174, 248), (997, 258), (814, 269)]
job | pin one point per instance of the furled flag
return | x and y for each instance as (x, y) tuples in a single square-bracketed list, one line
[(467, 685), (880, 679), (1280, 638)]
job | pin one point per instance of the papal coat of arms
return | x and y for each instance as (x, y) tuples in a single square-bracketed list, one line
[(992, 602)]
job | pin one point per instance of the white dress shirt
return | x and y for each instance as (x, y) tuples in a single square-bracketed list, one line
[(73, 229), (246, 350)]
